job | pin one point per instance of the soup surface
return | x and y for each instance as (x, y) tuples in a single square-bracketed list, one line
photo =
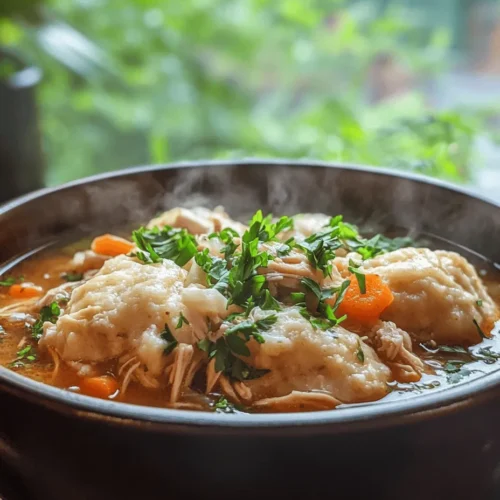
[(198, 311)]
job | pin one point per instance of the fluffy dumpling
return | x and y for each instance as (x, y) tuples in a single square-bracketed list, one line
[(336, 362), (109, 314), (437, 295)]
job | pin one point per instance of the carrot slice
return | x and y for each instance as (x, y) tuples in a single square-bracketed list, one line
[(25, 291), (99, 387), (368, 306), (111, 245)]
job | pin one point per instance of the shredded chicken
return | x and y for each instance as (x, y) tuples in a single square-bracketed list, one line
[(393, 345), (183, 357), (88, 260), (298, 401)]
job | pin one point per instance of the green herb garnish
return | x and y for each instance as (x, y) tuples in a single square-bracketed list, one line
[(360, 276), (479, 302), (166, 243), (326, 312), (47, 313), (27, 353), (11, 281), (360, 353), (270, 302), (224, 406), (70, 277), (233, 344), (168, 337), (182, 320)]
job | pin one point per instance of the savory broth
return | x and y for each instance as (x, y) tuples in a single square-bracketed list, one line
[(443, 364)]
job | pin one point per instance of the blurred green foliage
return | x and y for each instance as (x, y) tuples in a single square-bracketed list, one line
[(230, 78)]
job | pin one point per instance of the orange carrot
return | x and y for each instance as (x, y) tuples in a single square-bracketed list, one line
[(25, 291), (99, 387), (368, 306), (111, 245)]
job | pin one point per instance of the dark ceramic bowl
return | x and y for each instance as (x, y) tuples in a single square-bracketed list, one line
[(61, 445)]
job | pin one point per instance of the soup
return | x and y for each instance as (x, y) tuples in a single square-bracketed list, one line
[(201, 312)]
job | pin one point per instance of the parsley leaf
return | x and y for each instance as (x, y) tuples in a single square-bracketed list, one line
[(168, 337), (326, 312), (182, 320), (233, 343), (262, 229), (285, 248), (360, 354), (479, 302), (224, 406), (360, 276), (166, 243), (270, 302), (27, 353), (11, 281), (47, 313), (70, 277), (8, 281)]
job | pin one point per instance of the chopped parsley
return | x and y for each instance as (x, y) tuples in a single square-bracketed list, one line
[(70, 277), (182, 320), (167, 243), (360, 353), (223, 406), (233, 343), (47, 313), (319, 307), (262, 229), (26, 354), (360, 276), (456, 367), (168, 337), (479, 302), (320, 247), (11, 281), (215, 269), (227, 236), (270, 302), (285, 248)]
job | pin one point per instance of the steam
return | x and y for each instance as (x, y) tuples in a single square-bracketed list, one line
[(373, 201)]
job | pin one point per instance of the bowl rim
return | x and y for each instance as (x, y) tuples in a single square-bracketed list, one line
[(379, 414)]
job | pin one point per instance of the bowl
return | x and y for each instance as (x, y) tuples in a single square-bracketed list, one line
[(61, 445)]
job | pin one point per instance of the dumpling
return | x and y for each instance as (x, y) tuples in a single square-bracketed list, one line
[(336, 362), (109, 314), (437, 295)]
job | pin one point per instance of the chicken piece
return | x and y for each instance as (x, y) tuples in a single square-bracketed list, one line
[(437, 295), (60, 294), (304, 225), (110, 314), (336, 362), (197, 220), (394, 347), (88, 260), (286, 272)]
